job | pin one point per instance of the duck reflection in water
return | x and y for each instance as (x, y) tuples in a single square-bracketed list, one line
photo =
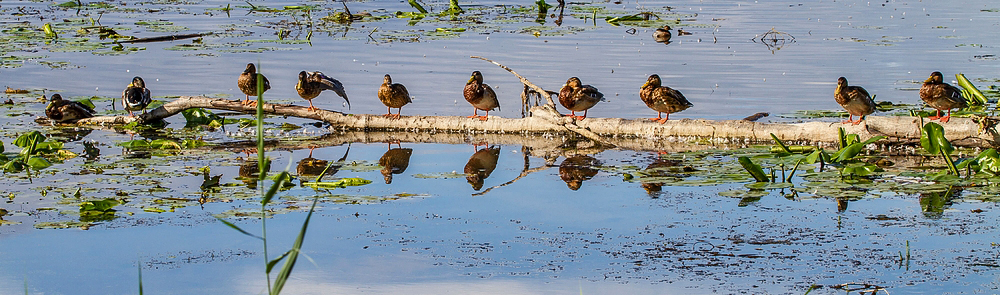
[(310, 167), (250, 170), (394, 161), (574, 170), (658, 169), (481, 165)]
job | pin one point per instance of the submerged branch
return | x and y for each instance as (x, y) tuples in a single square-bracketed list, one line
[(164, 38)]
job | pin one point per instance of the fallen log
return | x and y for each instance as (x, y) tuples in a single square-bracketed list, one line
[(626, 133)]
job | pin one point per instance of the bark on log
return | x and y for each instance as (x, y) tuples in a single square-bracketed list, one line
[(641, 134)]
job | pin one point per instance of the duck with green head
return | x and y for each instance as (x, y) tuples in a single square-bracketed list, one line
[(311, 84), (662, 99), (855, 100), (136, 96), (576, 97), (481, 96), (941, 96), (66, 111)]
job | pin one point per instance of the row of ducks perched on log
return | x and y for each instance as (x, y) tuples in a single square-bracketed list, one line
[(574, 96)]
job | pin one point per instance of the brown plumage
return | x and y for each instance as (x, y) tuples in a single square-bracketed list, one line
[(394, 161), (481, 96), (136, 96), (248, 83), (66, 111), (662, 99), (393, 96), (481, 165), (576, 97), (311, 84), (662, 35), (574, 170), (855, 100), (941, 96)]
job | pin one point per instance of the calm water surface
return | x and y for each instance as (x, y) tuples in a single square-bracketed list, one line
[(436, 235)]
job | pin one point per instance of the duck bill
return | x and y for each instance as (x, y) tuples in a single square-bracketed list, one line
[(298, 85), (644, 85), (471, 79)]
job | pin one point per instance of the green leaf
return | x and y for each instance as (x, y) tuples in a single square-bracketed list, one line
[(28, 139), (105, 205), (164, 144), (849, 152), (199, 116), (37, 162), (933, 141), (13, 166), (342, 183), (753, 169), (841, 138), (417, 6), (1, 147), (87, 102), (135, 144), (977, 97), (237, 228), (193, 143), (781, 144)]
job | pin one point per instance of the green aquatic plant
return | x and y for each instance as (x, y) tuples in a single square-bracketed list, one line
[(36, 153), (932, 139), (970, 92)]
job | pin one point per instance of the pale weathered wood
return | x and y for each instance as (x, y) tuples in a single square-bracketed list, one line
[(626, 133)]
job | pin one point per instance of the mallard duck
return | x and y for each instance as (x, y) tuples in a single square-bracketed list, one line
[(576, 97), (312, 83), (941, 96), (66, 111), (136, 96), (248, 84), (662, 35), (855, 100), (393, 96), (662, 99), (394, 161), (481, 165), (481, 96), (574, 170)]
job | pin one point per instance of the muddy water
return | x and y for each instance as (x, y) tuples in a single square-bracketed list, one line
[(430, 230)]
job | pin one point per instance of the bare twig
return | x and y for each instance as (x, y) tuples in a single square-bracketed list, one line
[(523, 80), (164, 38)]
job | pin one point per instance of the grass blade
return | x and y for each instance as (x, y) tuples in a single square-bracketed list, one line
[(237, 228), (279, 181), (754, 169), (286, 270), (140, 277), (781, 144)]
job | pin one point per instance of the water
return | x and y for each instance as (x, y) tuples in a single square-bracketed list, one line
[(535, 235)]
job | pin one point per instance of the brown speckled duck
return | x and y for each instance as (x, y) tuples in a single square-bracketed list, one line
[(574, 170), (393, 95), (662, 99), (248, 83), (481, 165), (481, 96), (311, 84), (66, 111), (855, 100), (136, 96), (576, 97), (662, 35), (941, 96)]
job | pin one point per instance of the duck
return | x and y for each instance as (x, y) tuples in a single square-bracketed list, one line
[(481, 164), (393, 95), (576, 169), (941, 96), (248, 84), (136, 96), (662, 35), (311, 84), (576, 97), (481, 96), (855, 100), (394, 161), (66, 111), (662, 99)]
